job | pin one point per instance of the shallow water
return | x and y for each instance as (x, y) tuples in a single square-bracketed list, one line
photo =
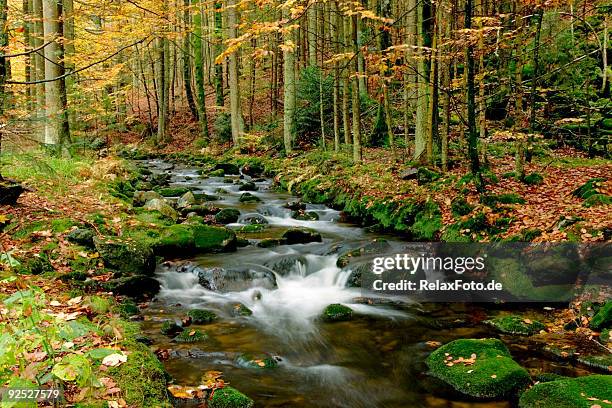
[(375, 360)]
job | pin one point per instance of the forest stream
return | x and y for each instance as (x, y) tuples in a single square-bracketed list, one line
[(374, 360)]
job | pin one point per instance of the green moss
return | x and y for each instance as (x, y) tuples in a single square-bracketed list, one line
[(516, 325), (600, 362), (142, 378), (508, 198), (589, 188), (337, 313), (98, 304), (596, 200), (603, 318), (229, 397), (227, 216), (173, 191), (190, 336), (240, 309), (169, 328), (255, 362), (195, 238), (248, 198), (427, 222), (128, 308), (533, 179), (202, 316), (62, 224), (569, 393), (125, 256), (493, 373), (461, 207), (605, 336), (216, 173), (251, 228)]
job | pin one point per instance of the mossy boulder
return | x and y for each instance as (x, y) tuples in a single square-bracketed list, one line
[(142, 378), (305, 215), (202, 316), (195, 238), (337, 313), (603, 317), (228, 397), (427, 222), (253, 169), (125, 257), (479, 368), (248, 186), (186, 200), (216, 173), (141, 197), (580, 392), (249, 198), (516, 325), (190, 336), (300, 236), (227, 216), (228, 168), (256, 362), (10, 192), (161, 206), (81, 236), (137, 286), (172, 191), (269, 243)]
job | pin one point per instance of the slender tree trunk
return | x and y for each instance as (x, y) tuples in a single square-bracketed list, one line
[(234, 77), (346, 91), (356, 99), (311, 14), (604, 80), (534, 80), (199, 70), (471, 104), (445, 79), (421, 125), (289, 87), (187, 61), (334, 30), (218, 49)]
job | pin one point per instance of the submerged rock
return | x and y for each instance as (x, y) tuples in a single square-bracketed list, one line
[(516, 325), (337, 313), (295, 205), (300, 236), (125, 257), (253, 219), (480, 368), (169, 328), (305, 215), (227, 216), (269, 242), (284, 264), (239, 309), (580, 392)]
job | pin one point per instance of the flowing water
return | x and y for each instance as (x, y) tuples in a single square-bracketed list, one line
[(374, 360)]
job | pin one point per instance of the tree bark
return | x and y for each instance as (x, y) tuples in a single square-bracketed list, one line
[(289, 87), (234, 78)]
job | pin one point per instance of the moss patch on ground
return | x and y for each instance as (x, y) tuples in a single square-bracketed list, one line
[(228, 397), (516, 325)]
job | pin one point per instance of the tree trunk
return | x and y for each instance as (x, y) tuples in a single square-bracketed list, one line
[(289, 88), (234, 78), (218, 49), (187, 61), (199, 71), (471, 104), (420, 133), (355, 97)]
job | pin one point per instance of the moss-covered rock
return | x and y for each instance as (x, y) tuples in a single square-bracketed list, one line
[(10, 192), (493, 200), (337, 312), (581, 392), (516, 325), (125, 256), (269, 242), (190, 336), (239, 309), (202, 316), (227, 216), (186, 200), (161, 206), (142, 378), (427, 222), (195, 238), (136, 286), (217, 173), (248, 186), (598, 362), (603, 318), (141, 197), (173, 191), (228, 168), (256, 362), (461, 207), (228, 397), (305, 215), (300, 236), (480, 368), (170, 328), (249, 198), (81, 236)]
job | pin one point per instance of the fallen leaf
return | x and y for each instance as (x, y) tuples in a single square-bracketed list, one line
[(114, 360)]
